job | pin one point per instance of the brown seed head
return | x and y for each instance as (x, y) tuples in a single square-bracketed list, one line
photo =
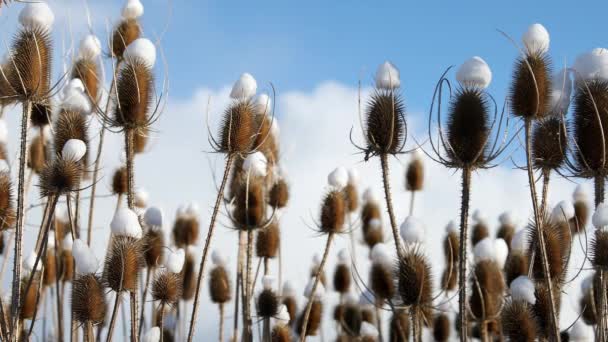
[(449, 278), (268, 304), (373, 237), (588, 311), (153, 244), (441, 328), (516, 265), (119, 181), (50, 268), (279, 194), (88, 300), (268, 240), (400, 326), (314, 319), (189, 277), (352, 197), (557, 246), (506, 232), (599, 250), (342, 278), (333, 212), (37, 155), (468, 128), (414, 176), (185, 231), (70, 125), (219, 285), (122, 264), (167, 288), (88, 72), (7, 209), (60, 177), (238, 128), (140, 139), (518, 323), (451, 246), (124, 34), (414, 280), (351, 320), (480, 232), (290, 303), (487, 290), (531, 86), (280, 333), (66, 268), (549, 144), (250, 205), (40, 115), (29, 69), (29, 299), (370, 211), (134, 91), (542, 309), (381, 282), (581, 216), (385, 123)]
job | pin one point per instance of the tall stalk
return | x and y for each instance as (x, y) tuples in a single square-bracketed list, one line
[(462, 263), (161, 320), (248, 332), (16, 290), (389, 203), (221, 307), (539, 231), (199, 280), (599, 186), (315, 283), (143, 299)]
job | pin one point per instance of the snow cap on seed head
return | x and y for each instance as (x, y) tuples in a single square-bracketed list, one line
[(368, 330), (90, 47), (561, 92), (319, 291), (154, 216), (519, 242), (133, 9), (522, 288), (75, 97), (268, 282), (474, 72), (591, 65), (563, 211), (37, 14), (580, 193), (244, 88), (452, 227), (141, 49), (141, 197), (343, 257), (289, 289), (126, 223), (256, 164), (380, 254), (174, 260), (217, 258), (412, 230), (479, 217), (353, 176), (85, 260), (536, 39), (506, 218), (263, 104), (50, 242), (28, 263), (371, 196), (67, 243), (74, 150), (338, 178), (491, 249), (387, 76), (600, 216)]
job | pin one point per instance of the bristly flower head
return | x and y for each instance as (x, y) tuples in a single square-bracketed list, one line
[(414, 280)]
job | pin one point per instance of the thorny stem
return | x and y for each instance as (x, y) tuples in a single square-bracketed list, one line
[(221, 307), (543, 204), (462, 263), (97, 162), (248, 333), (266, 337), (88, 332), (416, 333), (161, 320), (379, 321), (599, 185), (199, 280), (113, 318), (134, 319), (389, 203), (539, 232), (315, 283), (239, 274), (16, 291), (143, 299), (58, 294)]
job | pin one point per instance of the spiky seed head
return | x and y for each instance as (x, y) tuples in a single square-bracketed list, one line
[(549, 144), (342, 278), (280, 333), (66, 268), (590, 118), (29, 299), (60, 177), (468, 128), (238, 128), (530, 92), (185, 230), (599, 250), (153, 244), (451, 246), (189, 275), (480, 232), (339, 313), (400, 326), (134, 91), (167, 288), (7, 209), (581, 217), (250, 204), (88, 300), (352, 319), (41, 113), (518, 322), (219, 285), (506, 232), (449, 278), (266, 141), (268, 241), (279, 194), (385, 123), (37, 155), (140, 139), (314, 319), (352, 197), (516, 266), (557, 246), (122, 264), (414, 279), (50, 268), (441, 328), (588, 313), (124, 34), (370, 211), (373, 236), (29, 68), (381, 281), (70, 125), (542, 309), (119, 181), (87, 71), (333, 212), (414, 175), (487, 289), (268, 304)]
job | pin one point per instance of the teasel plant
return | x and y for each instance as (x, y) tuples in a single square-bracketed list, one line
[(480, 229), (27, 77), (441, 324), (239, 138), (488, 284), (153, 246), (518, 260), (124, 33), (288, 298), (88, 290), (220, 287), (331, 222), (371, 219), (281, 331), (381, 282), (167, 285), (341, 281), (269, 306), (579, 222), (123, 262), (414, 177), (351, 193), (314, 295), (385, 130), (518, 319), (466, 143), (599, 260), (278, 199), (451, 247)]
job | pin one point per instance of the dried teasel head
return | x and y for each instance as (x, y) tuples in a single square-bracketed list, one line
[(516, 265), (280, 333), (268, 301), (7, 209), (506, 229), (400, 326), (40, 115), (557, 245), (314, 319), (518, 321), (29, 299), (581, 210), (127, 31), (542, 309), (186, 226), (549, 144), (219, 284), (414, 174), (385, 126), (250, 204), (599, 250), (374, 234), (441, 328), (530, 92), (50, 265), (279, 194), (167, 288), (88, 299), (268, 241), (342, 275), (60, 176), (480, 229), (134, 92), (381, 273), (123, 262), (119, 181), (414, 279), (140, 139), (153, 244), (69, 125), (189, 277), (238, 128), (351, 319), (87, 70), (487, 289), (451, 244), (333, 212), (37, 154)]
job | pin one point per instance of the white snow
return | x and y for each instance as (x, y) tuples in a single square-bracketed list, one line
[(154, 217), (90, 47), (74, 150), (563, 211), (387, 76), (263, 104), (133, 9), (412, 230), (37, 14), (256, 164), (319, 291), (590, 65), (152, 335), (522, 288), (174, 260), (519, 242), (85, 260), (141, 49), (338, 178), (536, 39), (126, 223), (474, 72), (600, 217), (244, 88)]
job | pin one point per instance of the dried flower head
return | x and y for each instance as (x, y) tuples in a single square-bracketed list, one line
[(87, 71), (123, 262), (134, 91), (189, 277), (153, 244), (385, 123), (238, 128), (167, 288), (88, 300), (333, 212), (599, 250), (441, 328), (219, 285), (518, 322), (549, 144), (268, 241), (279, 194), (7, 209), (400, 326), (37, 154), (488, 287), (414, 175), (314, 320), (414, 279), (124, 34), (60, 176)]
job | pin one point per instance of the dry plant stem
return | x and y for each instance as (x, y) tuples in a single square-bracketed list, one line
[(413, 196), (248, 332), (134, 316), (199, 280), (266, 337), (543, 203), (379, 320), (16, 290), (599, 185), (3, 327), (6, 256), (113, 318), (88, 332), (315, 283), (389, 203), (98, 160), (416, 328), (483, 327), (239, 275), (539, 232), (39, 295), (462, 263), (149, 272), (221, 307), (58, 296), (161, 320)]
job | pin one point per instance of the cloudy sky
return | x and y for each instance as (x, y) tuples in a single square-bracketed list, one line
[(314, 54)]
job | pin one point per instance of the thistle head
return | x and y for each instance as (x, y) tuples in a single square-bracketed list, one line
[(414, 279), (88, 299), (268, 241), (414, 175), (123, 262)]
